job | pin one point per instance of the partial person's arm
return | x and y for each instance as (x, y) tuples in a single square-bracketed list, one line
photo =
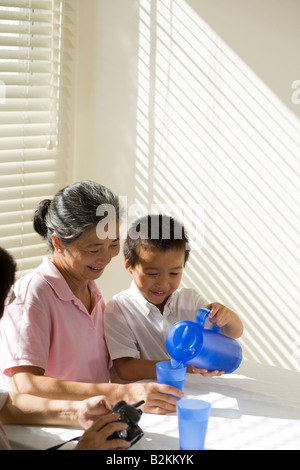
[(32, 410), (132, 369), (158, 399), (28, 409)]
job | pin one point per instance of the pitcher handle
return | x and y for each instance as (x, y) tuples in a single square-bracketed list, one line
[(200, 318)]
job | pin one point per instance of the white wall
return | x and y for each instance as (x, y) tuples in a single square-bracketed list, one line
[(190, 101)]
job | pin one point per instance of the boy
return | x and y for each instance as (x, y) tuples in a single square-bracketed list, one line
[(138, 319)]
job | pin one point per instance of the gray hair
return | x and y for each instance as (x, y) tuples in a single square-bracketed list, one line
[(73, 211)]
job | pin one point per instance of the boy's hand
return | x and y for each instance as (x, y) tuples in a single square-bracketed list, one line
[(224, 318), (219, 315), (206, 373)]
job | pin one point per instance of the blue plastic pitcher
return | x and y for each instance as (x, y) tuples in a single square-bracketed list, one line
[(189, 342)]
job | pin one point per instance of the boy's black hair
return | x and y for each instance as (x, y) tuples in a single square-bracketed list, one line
[(155, 232), (7, 276)]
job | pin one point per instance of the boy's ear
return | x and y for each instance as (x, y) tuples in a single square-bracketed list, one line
[(127, 265)]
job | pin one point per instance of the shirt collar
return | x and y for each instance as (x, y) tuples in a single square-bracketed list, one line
[(140, 299), (56, 280)]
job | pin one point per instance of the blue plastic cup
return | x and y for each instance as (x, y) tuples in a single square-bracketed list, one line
[(193, 416), (168, 375)]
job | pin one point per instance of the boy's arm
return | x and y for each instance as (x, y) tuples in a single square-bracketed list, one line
[(131, 369)]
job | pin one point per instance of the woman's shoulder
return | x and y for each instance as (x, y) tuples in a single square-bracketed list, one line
[(31, 286)]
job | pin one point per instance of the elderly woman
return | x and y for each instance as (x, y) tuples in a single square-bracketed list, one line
[(52, 340), (16, 408)]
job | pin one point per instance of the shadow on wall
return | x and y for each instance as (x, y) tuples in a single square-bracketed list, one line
[(218, 150)]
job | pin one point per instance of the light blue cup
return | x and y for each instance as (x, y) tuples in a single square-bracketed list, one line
[(168, 375), (193, 416)]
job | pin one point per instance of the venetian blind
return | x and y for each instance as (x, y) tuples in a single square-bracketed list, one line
[(32, 166)]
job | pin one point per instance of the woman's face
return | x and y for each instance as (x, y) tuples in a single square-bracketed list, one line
[(87, 257)]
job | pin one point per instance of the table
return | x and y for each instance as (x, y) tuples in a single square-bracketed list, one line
[(256, 407)]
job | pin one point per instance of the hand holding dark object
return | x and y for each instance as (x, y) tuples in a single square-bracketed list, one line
[(99, 435), (130, 415)]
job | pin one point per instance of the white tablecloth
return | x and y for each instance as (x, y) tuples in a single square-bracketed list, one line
[(257, 407)]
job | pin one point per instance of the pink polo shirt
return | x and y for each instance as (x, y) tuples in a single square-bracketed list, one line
[(48, 327)]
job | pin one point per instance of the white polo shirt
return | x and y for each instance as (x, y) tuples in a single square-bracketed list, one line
[(136, 328)]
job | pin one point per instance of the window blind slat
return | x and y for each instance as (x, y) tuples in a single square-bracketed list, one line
[(26, 105), (26, 142), (29, 16), (31, 91), (22, 192), (25, 54), (29, 130), (14, 205), (10, 218), (31, 154), (28, 167), (40, 4), (28, 239), (28, 179), (25, 79), (24, 40), (31, 251), (24, 118), (26, 28), (26, 66)]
